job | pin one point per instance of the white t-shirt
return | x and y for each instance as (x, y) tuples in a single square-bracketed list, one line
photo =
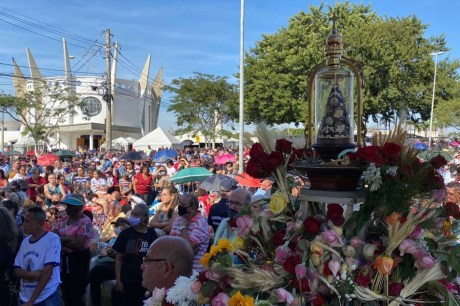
[(34, 256), (171, 171)]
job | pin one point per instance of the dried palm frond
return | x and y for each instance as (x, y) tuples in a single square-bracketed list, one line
[(421, 278), (257, 279), (397, 136), (398, 231), (367, 295), (264, 138)]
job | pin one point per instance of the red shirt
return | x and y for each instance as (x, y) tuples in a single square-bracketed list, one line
[(32, 191), (143, 185)]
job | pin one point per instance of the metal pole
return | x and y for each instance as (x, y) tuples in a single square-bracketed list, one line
[(241, 149), (432, 99), (108, 118)]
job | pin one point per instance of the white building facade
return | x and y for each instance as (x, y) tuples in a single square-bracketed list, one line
[(135, 105)]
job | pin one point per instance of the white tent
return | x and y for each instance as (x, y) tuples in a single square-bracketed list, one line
[(157, 139)]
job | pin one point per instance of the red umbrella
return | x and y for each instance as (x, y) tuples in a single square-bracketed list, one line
[(47, 159), (224, 158), (245, 179), (32, 153)]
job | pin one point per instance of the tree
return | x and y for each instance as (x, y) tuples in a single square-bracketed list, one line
[(447, 114), (203, 103), (41, 111), (397, 66)]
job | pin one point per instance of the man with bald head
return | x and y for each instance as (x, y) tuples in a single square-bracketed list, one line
[(167, 258), (239, 199)]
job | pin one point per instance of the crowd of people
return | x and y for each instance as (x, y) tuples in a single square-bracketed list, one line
[(68, 227)]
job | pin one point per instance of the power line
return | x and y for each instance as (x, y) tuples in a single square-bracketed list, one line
[(49, 28), (49, 37), (48, 69)]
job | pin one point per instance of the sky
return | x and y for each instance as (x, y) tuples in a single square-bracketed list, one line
[(181, 36)]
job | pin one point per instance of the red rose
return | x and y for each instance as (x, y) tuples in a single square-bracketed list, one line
[(318, 301), (391, 150), (278, 238), (337, 220), (202, 277), (290, 263), (371, 154), (364, 278), (326, 270), (453, 210), (438, 161), (272, 161), (253, 169), (284, 146), (334, 209), (303, 282), (257, 151), (394, 289), (311, 225)]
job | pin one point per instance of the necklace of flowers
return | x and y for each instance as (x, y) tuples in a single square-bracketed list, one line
[(179, 295)]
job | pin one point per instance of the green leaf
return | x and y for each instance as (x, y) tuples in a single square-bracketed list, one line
[(208, 287)]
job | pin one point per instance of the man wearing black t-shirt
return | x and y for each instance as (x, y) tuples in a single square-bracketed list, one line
[(219, 210)]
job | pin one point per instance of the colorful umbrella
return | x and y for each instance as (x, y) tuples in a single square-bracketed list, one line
[(134, 155), (32, 153), (213, 182), (429, 154), (193, 174), (164, 155), (47, 159), (224, 158), (12, 153), (245, 179), (64, 153)]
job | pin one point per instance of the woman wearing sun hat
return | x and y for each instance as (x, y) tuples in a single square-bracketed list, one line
[(75, 230)]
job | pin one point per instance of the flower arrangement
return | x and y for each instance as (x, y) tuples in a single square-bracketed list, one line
[(181, 294), (291, 254)]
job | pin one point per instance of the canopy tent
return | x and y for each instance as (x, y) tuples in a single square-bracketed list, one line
[(157, 139)]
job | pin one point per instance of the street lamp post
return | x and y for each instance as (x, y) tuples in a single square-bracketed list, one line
[(434, 88)]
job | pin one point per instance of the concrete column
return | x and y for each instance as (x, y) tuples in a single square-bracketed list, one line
[(91, 140)]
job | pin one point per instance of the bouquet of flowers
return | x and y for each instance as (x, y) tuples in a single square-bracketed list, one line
[(181, 294), (290, 255)]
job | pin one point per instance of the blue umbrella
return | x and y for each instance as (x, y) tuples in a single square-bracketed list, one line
[(420, 146), (164, 155)]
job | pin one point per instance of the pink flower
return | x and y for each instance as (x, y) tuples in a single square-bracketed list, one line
[(213, 275), (300, 271), (426, 262), (284, 296), (289, 226), (407, 246), (334, 266), (196, 287), (332, 238), (438, 195), (416, 233), (282, 253), (356, 242), (244, 224), (220, 300)]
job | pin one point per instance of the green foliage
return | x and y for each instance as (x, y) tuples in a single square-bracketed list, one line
[(202, 103), (42, 110), (447, 112), (398, 69)]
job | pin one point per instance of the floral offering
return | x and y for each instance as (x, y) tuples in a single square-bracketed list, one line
[(303, 253)]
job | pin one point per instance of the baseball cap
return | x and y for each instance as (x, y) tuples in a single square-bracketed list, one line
[(74, 199)]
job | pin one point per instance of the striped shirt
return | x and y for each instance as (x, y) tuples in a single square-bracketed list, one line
[(198, 233)]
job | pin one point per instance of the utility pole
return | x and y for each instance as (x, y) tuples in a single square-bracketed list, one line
[(108, 96)]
